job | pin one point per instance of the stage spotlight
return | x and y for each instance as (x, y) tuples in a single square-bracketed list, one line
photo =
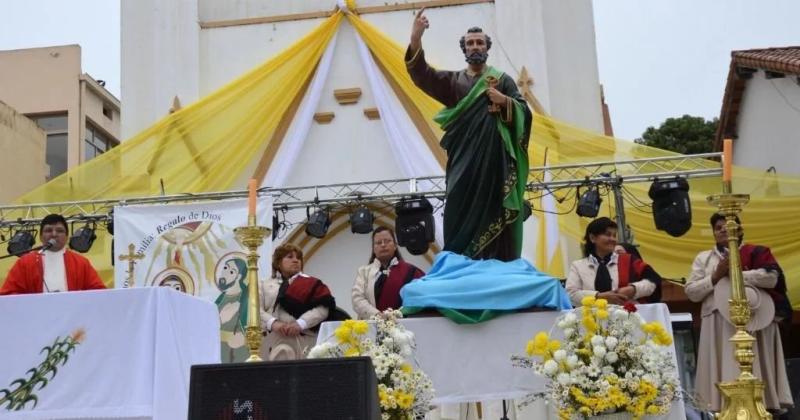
[(21, 242), (361, 220), (527, 210), (414, 224), (318, 223), (82, 239), (110, 222), (589, 202), (672, 209)]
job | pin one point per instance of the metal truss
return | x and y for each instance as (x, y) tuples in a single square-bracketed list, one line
[(288, 198), (629, 171)]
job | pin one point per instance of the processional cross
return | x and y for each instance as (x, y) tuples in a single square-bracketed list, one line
[(131, 258)]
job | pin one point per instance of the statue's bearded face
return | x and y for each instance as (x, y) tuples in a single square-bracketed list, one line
[(476, 49)]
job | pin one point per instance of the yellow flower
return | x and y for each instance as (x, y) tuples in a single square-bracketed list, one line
[(405, 367), (404, 399), (602, 314), (588, 300), (343, 333), (352, 351), (601, 303), (360, 327), (554, 345), (530, 348)]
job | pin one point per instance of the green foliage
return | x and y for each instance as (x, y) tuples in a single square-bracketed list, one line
[(685, 135), (21, 391)]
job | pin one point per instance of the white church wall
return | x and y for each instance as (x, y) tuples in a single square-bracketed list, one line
[(768, 125), (573, 78), (159, 59)]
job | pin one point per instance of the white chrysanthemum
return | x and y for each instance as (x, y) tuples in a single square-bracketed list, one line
[(563, 378), (612, 357), (570, 318), (568, 332), (611, 342), (599, 351), (597, 340), (572, 361), (550, 367), (560, 355)]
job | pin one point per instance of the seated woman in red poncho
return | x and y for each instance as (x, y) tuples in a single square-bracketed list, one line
[(377, 286), (293, 304)]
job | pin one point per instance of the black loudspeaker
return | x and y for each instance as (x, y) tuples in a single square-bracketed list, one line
[(313, 389), (672, 210), (793, 372), (414, 224)]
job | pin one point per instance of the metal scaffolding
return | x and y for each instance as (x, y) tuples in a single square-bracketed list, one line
[(611, 174)]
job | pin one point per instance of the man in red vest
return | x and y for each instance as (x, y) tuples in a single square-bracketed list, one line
[(55, 268)]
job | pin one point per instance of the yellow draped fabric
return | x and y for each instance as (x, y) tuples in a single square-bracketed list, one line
[(210, 144)]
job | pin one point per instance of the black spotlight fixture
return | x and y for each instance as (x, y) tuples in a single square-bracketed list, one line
[(589, 202), (82, 239), (672, 209), (21, 242), (527, 210), (414, 224), (361, 220), (318, 223), (110, 222)]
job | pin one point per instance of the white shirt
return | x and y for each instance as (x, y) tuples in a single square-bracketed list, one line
[(55, 274)]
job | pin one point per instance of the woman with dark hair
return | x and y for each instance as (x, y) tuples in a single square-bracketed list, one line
[(603, 273), (293, 304), (377, 286)]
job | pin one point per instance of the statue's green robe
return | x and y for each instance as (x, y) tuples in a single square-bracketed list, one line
[(487, 159)]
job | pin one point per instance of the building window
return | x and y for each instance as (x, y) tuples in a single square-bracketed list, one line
[(108, 112), (96, 142), (56, 150)]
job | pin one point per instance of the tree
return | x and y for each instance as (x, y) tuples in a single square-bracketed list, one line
[(685, 135)]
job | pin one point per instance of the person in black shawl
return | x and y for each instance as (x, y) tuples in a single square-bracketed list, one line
[(293, 304)]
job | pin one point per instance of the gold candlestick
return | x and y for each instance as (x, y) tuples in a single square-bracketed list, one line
[(251, 237), (743, 397)]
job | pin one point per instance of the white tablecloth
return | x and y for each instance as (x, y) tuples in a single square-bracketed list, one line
[(473, 362), (133, 361)]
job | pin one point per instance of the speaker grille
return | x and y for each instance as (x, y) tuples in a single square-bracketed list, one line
[(341, 389)]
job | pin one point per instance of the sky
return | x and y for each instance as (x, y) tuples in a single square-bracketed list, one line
[(657, 59)]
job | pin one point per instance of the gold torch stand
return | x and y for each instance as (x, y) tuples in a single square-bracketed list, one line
[(251, 237), (742, 398)]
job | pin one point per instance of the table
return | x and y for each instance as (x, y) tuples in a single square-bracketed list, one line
[(472, 362), (133, 359)]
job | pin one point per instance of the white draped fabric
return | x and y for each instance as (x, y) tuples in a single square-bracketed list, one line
[(292, 143)]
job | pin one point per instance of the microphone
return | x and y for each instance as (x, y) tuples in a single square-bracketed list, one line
[(50, 243)]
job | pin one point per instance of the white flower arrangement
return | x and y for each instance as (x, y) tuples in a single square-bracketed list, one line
[(611, 360), (404, 393)]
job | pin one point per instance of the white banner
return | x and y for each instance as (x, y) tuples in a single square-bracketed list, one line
[(192, 248)]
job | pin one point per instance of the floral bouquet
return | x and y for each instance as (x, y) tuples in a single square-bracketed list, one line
[(611, 361), (404, 393)]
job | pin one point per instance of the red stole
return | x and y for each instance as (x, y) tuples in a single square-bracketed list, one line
[(388, 293)]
